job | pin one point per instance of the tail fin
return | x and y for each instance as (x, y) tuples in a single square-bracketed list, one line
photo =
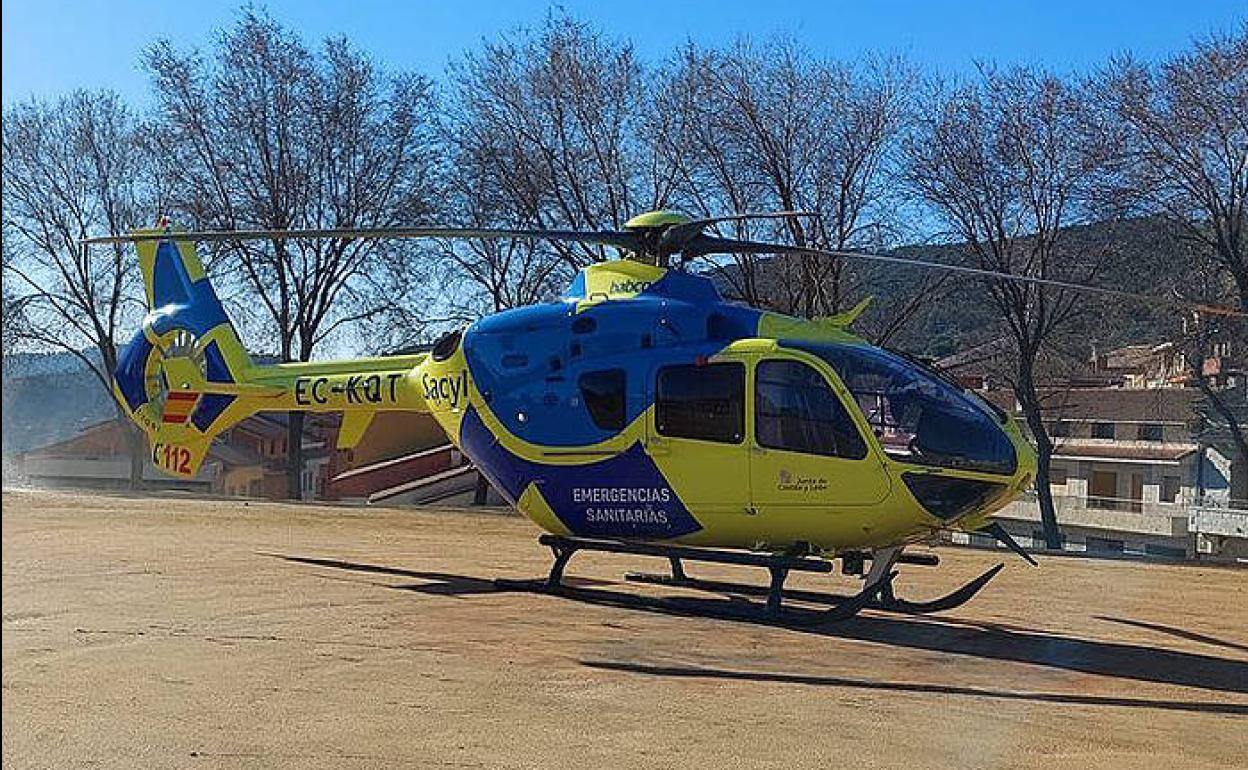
[(185, 376)]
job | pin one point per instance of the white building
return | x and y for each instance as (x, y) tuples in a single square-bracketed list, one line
[(1128, 476)]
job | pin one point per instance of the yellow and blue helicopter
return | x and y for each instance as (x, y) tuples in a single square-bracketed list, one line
[(639, 413)]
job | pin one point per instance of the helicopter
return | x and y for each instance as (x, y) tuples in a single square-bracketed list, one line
[(639, 413)]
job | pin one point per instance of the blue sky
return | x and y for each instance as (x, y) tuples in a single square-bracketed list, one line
[(50, 47)]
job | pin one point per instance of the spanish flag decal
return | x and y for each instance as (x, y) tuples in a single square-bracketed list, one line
[(179, 405)]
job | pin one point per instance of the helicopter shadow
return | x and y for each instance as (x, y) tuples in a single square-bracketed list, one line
[(955, 636), (432, 583), (703, 672), (1181, 633), (987, 641)]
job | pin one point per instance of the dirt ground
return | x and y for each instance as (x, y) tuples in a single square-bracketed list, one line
[(164, 632)]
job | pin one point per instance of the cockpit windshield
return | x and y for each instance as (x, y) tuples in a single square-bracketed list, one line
[(917, 416)]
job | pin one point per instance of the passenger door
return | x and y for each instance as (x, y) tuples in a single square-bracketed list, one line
[(697, 434), (807, 450)]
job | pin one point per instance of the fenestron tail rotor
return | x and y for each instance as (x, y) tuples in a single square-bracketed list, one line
[(654, 237)]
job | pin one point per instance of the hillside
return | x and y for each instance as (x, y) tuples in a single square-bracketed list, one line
[(49, 397), (959, 313), (1145, 257)]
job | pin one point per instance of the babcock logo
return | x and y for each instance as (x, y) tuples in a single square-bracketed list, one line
[(629, 287)]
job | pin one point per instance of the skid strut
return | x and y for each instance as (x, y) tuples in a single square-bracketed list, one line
[(778, 565)]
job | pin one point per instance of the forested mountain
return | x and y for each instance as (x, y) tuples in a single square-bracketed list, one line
[(1145, 256), (49, 397)]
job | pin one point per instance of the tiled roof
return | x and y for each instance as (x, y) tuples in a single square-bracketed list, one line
[(1173, 405), (1160, 453), (1170, 405)]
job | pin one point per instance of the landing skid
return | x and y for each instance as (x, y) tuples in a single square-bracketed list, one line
[(877, 593), (886, 600)]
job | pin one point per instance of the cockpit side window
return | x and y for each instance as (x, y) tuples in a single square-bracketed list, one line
[(916, 416), (796, 410)]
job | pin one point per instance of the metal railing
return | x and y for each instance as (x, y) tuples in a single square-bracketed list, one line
[(1232, 504)]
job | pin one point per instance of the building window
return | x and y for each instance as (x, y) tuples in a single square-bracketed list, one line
[(1059, 429), (701, 402), (1150, 431), (604, 395), (1102, 430), (796, 410), (1164, 551), (1169, 489), (1057, 477)]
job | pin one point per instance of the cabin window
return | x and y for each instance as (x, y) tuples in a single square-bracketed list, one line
[(604, 395), (1150, 431), (701, 402), (796, 410)]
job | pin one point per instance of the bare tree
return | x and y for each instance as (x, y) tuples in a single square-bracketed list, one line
[(769, 127), (1005, 162), (1183, 154), (13, 311), (269, 134), (496, 274), (73, 167), (545, 128)]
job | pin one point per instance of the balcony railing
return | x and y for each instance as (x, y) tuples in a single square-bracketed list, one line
[(1063, 503)]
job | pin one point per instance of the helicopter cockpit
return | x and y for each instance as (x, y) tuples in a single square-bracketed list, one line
[(917, 416)]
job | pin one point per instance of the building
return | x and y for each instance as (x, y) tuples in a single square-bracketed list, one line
[(251, 457), (1129, 475), (1160, 365), (407, 459), (248, 460), (97, 456), (404, 458)]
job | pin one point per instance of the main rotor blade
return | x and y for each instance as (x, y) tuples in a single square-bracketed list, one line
[(624, 240), (706, 221), (707, 244), (678, 236)]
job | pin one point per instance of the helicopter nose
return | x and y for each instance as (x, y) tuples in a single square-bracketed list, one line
[(951, 497)]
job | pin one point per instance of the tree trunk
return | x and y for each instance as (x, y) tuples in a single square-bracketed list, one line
[(480, 495), (294, 425), (137, 444), (294, 456), (1030, 403), (1235, 430)]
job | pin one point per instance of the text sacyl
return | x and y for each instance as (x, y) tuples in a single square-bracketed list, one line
[(449, 389)]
